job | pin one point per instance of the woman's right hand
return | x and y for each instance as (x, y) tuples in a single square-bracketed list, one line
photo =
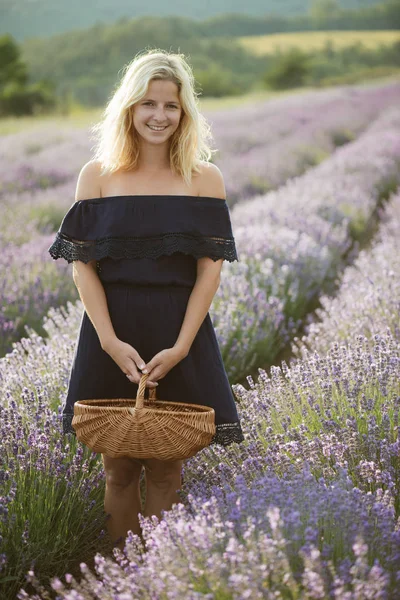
[(129, 360)]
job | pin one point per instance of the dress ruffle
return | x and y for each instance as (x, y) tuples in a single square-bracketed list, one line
[(145, 227)]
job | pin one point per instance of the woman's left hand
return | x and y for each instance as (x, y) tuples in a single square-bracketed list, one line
[(162, 362)]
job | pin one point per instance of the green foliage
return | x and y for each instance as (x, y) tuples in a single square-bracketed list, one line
[(12, 68), (217, 82), (17, 99), (48, 216), (340, 137), (331, 66), (50, 511), (289, 70), (17, 96)]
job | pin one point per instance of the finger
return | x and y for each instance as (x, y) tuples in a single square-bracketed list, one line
[(132, 371), (155, 374), (151, 379), (140, 364), (138, 368), (136, 379)]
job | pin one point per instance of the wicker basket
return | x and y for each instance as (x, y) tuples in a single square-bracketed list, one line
[(143, 428)]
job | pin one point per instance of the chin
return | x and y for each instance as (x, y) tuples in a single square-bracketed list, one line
[(161, 140)]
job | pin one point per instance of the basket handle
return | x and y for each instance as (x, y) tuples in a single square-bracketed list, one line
[(141, 389)]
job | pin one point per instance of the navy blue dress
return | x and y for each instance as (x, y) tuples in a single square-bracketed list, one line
[(146, 249)]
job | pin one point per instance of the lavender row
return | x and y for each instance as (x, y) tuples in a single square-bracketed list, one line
[(284, 137), (291, 242), (308, 506), (375, 275)]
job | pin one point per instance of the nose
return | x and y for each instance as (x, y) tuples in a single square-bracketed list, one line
[(160, 114)]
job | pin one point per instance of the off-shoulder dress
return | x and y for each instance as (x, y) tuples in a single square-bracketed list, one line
[(146, 249)]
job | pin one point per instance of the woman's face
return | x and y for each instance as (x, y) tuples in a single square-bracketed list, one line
[(159, 108)]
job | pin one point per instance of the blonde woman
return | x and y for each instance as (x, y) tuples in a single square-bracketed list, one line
[(147, 235)]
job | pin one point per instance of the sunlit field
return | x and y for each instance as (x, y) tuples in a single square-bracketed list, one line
[(316, 40), (83, 117), (308, 506)]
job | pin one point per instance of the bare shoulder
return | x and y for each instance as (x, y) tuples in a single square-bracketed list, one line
[(88, 185), (211, 181)]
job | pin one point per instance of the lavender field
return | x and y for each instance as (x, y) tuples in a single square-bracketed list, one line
[(308, 507)]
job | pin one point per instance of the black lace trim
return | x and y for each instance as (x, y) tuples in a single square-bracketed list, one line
[(135, 247), (226, 433)]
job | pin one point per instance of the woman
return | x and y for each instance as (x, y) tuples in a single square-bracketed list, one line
[(147, 236)]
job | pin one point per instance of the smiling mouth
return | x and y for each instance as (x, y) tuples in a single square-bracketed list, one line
[(154, 128)]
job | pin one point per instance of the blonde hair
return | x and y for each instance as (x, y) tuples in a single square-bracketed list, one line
[(117, 145)]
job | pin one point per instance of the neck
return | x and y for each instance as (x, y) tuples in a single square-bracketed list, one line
[(154, 158)]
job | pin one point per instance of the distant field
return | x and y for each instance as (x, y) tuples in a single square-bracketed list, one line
[(315, 40), (86, 117)]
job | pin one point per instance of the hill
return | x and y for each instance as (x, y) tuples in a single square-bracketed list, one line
[(43, 18)]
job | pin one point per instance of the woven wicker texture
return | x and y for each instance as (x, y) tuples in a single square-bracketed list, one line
[(143, 428)]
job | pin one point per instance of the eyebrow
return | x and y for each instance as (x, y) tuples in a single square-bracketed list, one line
[(168, 102)]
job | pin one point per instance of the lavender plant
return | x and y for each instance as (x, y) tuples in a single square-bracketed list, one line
[(51, 505), (375, 276), (29, 285)]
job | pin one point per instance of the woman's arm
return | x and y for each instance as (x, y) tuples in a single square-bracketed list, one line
[(197, 308), (93, 296), (85, 276), (208, 270)]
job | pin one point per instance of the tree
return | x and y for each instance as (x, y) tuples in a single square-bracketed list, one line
[(12, 68), (17, 96), (289, 70)]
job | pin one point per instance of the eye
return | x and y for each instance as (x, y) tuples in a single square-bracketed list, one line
[(148, 102)]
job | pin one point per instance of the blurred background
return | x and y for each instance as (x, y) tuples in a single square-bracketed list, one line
[(64, 57)]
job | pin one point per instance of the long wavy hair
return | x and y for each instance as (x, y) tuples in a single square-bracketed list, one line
[(117, 145)]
